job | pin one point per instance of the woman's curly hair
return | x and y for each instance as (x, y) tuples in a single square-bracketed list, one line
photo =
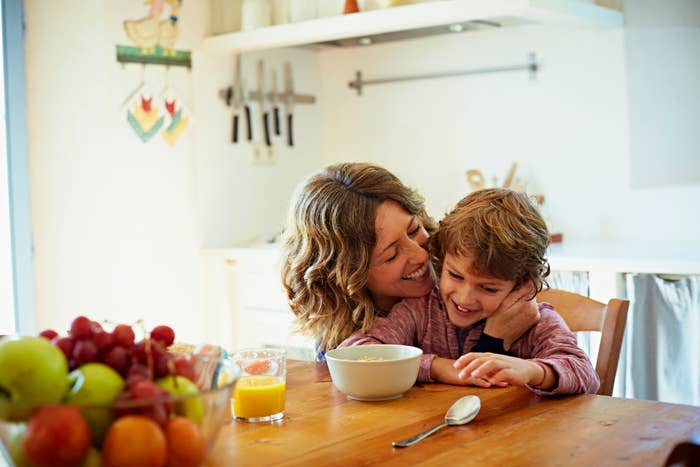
[(328, 243), (502, 231)]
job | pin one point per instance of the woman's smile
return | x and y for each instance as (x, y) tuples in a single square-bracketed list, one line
[(418, 274)]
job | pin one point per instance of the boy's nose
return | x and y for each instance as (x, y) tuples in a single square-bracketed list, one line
[(466, 295)]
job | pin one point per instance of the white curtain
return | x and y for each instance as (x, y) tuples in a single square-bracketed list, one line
[(661, 350)]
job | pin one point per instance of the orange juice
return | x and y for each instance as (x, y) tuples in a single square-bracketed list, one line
[(258, 396)]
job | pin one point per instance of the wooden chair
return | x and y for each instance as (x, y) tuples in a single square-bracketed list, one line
[(585, 314), (685, 453)]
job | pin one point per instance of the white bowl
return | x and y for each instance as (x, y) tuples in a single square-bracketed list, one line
[(374, 372)]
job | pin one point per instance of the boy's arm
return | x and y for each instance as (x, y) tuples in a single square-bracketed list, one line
[(443, 370), (552, 344)]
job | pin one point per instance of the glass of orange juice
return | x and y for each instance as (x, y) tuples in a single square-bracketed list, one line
[(260, 392)]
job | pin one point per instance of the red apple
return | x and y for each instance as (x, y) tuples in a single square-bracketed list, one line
[(56, 436)]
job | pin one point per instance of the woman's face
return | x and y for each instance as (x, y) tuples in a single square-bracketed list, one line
[(469, 297), (400, 266)]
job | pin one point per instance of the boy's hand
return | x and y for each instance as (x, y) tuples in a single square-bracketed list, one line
[(445, 371), (499, 369), (516, 314)]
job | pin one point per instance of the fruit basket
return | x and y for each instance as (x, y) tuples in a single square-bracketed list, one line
[(76, 401)]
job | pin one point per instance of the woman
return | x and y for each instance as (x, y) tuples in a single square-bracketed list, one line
[(355, 244)]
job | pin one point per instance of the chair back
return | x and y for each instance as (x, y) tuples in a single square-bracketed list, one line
[(585, 314), (686, 453)]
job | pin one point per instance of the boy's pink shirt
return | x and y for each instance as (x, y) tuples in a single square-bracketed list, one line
[(423, 322)]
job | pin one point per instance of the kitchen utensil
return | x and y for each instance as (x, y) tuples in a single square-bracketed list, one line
[(508, 181), (233, 99), (289, 101), (463, 411), (265, 116), (475, 179), (273, 101)]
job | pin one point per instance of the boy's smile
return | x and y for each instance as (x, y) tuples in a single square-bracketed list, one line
[(469, 297)]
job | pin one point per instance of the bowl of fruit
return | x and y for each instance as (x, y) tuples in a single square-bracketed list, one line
[(100, 395)]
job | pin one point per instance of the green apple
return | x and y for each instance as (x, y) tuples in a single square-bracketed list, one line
[(32, 372), (92, 459), (192, 407), (95, 385), (14, 445)]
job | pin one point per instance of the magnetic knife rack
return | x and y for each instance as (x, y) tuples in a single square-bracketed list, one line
[(359, 83), (236, 96)]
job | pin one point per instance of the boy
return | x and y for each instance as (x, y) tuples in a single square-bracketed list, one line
[(492, 243)]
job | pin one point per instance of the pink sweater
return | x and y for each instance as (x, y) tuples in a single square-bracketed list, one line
[(423, 322)]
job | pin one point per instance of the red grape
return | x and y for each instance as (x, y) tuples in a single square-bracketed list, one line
[(123, 335), (118, 358), (164, 334), (81, 328), (84, 351), (103, 340), (66, 345), (184, 367), (135, 373), (96, 327), (48, 334)]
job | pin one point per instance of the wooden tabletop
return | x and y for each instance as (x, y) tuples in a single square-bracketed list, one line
[(514, 427)]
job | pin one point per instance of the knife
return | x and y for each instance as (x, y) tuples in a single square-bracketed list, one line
[(289, 101), (234, 99), (273, 100), (261, 101)]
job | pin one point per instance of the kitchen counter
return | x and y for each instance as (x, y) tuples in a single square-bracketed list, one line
[(621, 257), (615, 257)]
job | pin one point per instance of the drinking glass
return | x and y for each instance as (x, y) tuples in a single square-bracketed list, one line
[(260, 392)]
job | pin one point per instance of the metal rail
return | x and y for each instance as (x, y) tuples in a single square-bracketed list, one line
[(532, 66)]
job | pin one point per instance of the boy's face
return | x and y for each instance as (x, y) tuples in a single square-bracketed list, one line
[(469, 298)]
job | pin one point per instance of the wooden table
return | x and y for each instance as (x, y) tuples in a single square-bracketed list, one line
[(514, 427)]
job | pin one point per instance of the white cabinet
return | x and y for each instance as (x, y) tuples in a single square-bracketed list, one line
[(258, 304), (416, 20)]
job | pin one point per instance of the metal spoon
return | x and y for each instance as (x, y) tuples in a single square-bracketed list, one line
[(462, 411)]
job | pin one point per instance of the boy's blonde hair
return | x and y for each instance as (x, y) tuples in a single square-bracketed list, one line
[(328, 243), (502, 231)]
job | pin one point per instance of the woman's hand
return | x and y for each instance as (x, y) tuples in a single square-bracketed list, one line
[(516, 314), (499, 370)]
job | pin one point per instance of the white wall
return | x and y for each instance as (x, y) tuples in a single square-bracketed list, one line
[(119, 224), (114, 222), (567, 130)]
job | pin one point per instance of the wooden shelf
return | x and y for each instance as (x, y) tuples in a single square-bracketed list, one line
[(416, 20)]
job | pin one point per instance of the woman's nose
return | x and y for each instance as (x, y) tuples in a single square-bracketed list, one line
[(416, 252)]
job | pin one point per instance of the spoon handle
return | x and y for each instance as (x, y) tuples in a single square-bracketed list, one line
[(404, 443)]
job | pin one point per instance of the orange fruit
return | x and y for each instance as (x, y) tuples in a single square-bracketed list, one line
[(134, 440), (186, 445)]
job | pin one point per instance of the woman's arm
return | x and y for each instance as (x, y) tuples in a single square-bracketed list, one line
[(514, 317)]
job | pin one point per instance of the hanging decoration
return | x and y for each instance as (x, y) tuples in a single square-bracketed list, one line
[(153, 37), (177, 121), (145, 117)]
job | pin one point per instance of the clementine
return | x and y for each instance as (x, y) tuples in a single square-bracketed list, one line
[(134, 440), (186, 445)]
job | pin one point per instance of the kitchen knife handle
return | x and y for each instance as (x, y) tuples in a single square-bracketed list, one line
[(266, 128), (290, 138), (234, 135), (248, 124), (276, 115)]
